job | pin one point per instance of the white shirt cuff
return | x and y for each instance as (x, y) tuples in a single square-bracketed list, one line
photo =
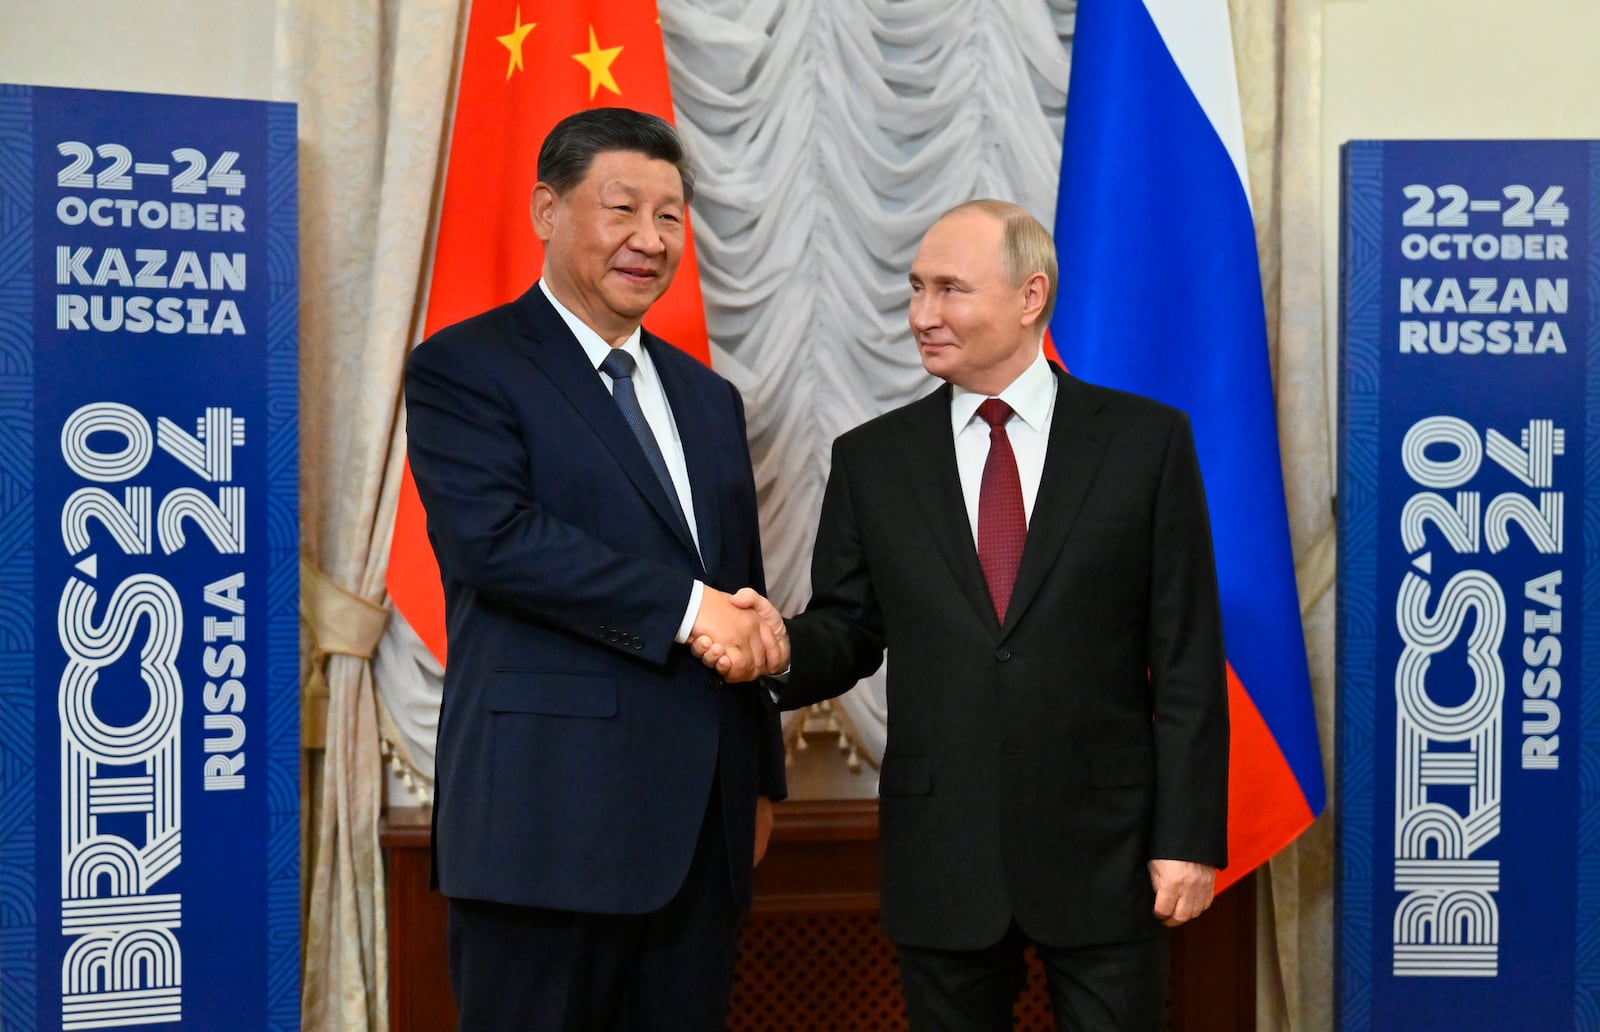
[(696, 593)]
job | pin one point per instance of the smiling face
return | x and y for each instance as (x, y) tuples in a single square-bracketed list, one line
[(974, 327), (613, 241)]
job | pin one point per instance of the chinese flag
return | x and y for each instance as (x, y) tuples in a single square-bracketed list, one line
[(526, 66)]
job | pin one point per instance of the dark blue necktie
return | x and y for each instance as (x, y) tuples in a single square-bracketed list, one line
[(619, 366)]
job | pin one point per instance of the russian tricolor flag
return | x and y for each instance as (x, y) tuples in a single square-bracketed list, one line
[(1161, 294)]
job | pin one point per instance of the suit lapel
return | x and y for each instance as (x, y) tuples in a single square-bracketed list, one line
[(1072, 456), (703, 451), (929, 455), (550, 345)]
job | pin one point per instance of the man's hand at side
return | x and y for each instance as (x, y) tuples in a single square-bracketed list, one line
[(763, 826), (1183, 890)]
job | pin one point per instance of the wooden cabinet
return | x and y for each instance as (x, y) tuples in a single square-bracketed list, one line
[(811, 955), (419, 982)]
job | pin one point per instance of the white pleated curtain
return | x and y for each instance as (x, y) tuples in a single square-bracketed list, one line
[(828, 135)]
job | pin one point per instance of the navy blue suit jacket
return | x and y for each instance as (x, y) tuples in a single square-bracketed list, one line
[(577, 740)]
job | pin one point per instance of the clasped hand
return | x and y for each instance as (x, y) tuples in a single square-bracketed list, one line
[(740, 636)]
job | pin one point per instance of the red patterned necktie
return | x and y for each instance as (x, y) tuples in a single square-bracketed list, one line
[(1002, 519)]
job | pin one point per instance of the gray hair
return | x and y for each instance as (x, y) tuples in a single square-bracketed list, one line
[(1025, 246)]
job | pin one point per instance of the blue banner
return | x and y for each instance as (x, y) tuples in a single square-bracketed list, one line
[(149, 713), (1469, 531)]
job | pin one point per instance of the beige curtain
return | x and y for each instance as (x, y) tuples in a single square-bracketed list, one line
[(372, 78), (1278, 50)]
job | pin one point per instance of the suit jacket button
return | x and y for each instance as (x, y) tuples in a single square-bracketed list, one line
[(637, 644), (1002, 654)]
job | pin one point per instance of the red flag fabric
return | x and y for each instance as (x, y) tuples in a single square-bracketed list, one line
[(525, 66)]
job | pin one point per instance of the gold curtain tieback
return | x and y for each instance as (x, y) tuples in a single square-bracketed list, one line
[(341, 623)]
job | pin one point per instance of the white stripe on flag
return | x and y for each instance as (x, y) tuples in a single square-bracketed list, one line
[(1200, 39)]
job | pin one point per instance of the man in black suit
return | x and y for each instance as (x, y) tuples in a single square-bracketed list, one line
[(1035, 554), (601, 796)]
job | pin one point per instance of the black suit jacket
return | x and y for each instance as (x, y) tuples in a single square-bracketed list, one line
[(1032, 769), (577, 741)]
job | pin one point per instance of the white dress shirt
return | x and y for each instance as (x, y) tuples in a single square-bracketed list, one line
[(1032, 397), (657, 412)]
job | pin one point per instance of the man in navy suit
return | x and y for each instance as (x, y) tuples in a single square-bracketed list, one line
[(601, 795)]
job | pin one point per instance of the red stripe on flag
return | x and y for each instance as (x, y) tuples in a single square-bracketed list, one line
[(1260, 784)]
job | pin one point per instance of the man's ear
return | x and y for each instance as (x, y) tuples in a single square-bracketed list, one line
[(1035, 291), (543, 209)]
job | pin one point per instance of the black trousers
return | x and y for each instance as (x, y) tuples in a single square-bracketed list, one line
[(519, 969), (1116, 987)]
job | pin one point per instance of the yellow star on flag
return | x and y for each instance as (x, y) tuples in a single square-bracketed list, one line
[(512, 41), (598, 62)]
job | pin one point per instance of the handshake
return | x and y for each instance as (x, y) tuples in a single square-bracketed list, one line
[(740, 636)]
